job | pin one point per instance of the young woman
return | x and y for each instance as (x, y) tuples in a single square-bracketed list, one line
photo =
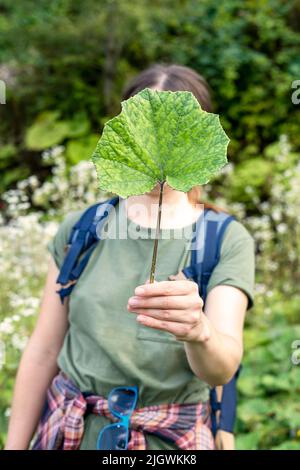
[(116, 329)]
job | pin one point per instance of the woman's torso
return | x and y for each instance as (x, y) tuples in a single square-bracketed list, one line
[(105, 346)]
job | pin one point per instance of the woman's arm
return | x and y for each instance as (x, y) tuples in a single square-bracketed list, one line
[(38, 365), (217, 354), (213, 341)]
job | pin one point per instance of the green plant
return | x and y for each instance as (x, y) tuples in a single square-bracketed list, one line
[(248, 52), (159, 137)]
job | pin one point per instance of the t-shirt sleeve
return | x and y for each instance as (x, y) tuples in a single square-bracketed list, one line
[(236, 266), (56, 246)]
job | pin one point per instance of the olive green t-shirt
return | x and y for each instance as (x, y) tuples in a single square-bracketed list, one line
[(105, 346)]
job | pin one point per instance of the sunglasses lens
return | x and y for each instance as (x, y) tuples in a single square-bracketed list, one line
[(122, 401), (113, 438)]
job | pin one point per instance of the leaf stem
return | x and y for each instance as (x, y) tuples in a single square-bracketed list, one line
[(154, 256)]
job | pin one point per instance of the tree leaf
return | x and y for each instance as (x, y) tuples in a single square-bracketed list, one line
[(159, 136), (49, 130), (81, 149), (79, 126), (46, 131), (249, 385), (254, 411), (287, 445), (247, 441)]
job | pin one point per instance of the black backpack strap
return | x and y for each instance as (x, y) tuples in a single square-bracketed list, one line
[(83, 239)]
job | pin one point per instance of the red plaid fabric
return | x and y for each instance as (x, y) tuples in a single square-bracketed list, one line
[(62, 422)]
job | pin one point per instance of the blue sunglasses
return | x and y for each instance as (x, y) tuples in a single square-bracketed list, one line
[(121, 403)]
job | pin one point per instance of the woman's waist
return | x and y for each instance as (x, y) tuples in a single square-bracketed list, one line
[(66, 390), (188, 391), (68, 407)]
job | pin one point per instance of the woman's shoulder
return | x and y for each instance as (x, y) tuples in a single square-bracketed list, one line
[(67, 222), (237, 240), (237, 231), (70, 219), (56, 245), (236, 266)]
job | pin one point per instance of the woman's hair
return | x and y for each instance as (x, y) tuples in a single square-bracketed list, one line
[(174, 77)]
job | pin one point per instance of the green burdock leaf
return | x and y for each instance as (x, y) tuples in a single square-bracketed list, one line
[(159, 136)]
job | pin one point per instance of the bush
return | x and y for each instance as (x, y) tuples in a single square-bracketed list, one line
[(56, 107), (268, 412), (247, 51)]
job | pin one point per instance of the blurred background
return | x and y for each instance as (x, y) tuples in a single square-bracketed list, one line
[(63, 65)]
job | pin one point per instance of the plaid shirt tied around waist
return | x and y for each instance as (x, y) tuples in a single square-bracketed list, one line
[(62, 423)]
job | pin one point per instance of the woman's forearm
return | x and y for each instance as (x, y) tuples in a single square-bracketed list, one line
[(214, 357), (34, 375)]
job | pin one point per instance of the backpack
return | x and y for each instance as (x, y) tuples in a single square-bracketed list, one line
[(205, 255)]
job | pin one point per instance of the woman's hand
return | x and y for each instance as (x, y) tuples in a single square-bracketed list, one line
[(173, 306), (213, 341)]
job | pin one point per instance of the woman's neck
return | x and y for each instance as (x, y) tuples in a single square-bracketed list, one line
[(177, 210)]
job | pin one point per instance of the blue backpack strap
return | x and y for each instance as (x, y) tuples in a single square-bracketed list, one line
[(206, 247), (213, 241), (83, 239), (209, 260), (77, 240), (194, 270), (229, 404), (205, 256)]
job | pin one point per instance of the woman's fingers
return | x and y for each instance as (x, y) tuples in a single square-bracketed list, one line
[(177, 316), (178, 302), (161, 288), (174, 306), (181, 330)]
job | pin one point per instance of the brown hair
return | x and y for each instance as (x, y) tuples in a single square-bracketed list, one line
[(173, 77)]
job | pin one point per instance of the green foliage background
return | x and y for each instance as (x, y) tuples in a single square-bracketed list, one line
[(65, 62)]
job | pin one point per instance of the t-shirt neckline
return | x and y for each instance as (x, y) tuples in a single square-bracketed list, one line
[(144, 230)]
